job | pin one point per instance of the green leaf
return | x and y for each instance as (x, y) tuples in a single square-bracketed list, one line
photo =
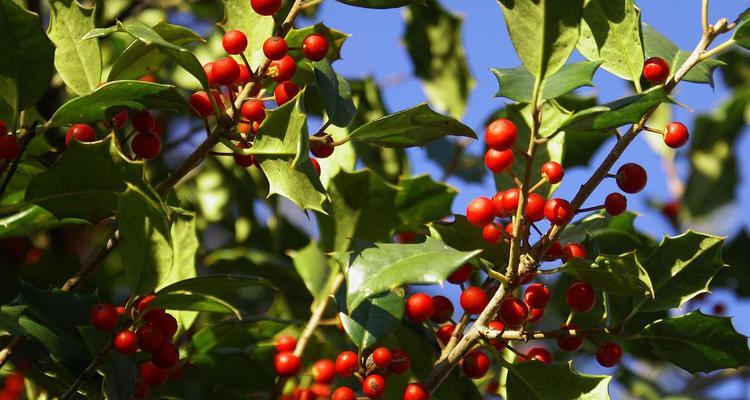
[(27, 58), (543, 32), (535, 380), (374, 319), (79, 62), (680, 268), (736, 278), (412, 127), (31, 220), (337, 95), (422, 200), (109, 99), (611, 32), (380, 3), (433, 39), (281, 147), (233, 333), (697, 342), (461, 235), (239, 15), (657, 45), (145, 240), (85, 181), (336, 39), (741, 34), (120, 375), (141, 58), (315, 270), (624, 111), (184, 248), (379, 267), (619, 275), (518, 84)]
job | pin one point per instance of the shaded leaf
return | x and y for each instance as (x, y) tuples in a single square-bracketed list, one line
[(374, 319), (380, 3), (619, 275), (422, 200), (337, 95), (462, 235), (624, 111), (518, 84), (535, 380)]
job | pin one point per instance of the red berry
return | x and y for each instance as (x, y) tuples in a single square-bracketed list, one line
[(343, 393), (143, 121), (473, 300), (554, 252), (475, 365), (275, 48), (631, 178), (315, 47), (609, 354), (501, 134), (3, 128), (120, 310), (536, 296), (573, 250), (154, 315), (461, 275), (150, 338), (676, 135), (558, 211), (285, 343), (445, 332), (498, 161), (497, 200), (419, 307), (321, 149), (373, 386), (167, 325), (286, 364), (166, 356), (201, 103), (144, 302), (283, 69), (539, 354), (527, 277), (615, 204), (324, 371), (234, 42), (306, 394), (146, 145), (208, 68), (346, 363), (552, 172), (225, 71), (285, 91), (104, 316), (655, 70), (152, 375), (513, 312), (415, 391), (510, 200), (119, 120), (126, 342), (492, 234), (719, 309), (254, 110), (535, 207), (498, 344), (569, 343), (535, 315), (480, 211), (382, 357), (141, 390), (401, 362), (244, 160), (316, 165), (266, 7), (244, 77), (581, 297), (443, 309), (9, 147), (81, 132)]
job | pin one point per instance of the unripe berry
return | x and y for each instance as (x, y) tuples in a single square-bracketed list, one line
[(286, 364), (554, 252), (283, 69), (676, 135), (631, 178), (324, 371), (166, 356), (535, 315), (275, 48), (382, 357), (581, 297), (152, 375), (104, 317), (615, 204), (419, 307), (126, 342), (146, 145), (475, 365), (343, 393), (573, 250), (480, 211), (254, 110), (373, 386), (143, 121), (535, 207), (473, 300), (401, 362), (265, 7), (539, 354), (285, 344), (461, 275), (234, 42), (443, 309), (498, 344), (81, 132), (346, 363), (570, 343), (656, 70), (492, 233), (445, 332), (150, 338), (536, 296), (225, 71), (498, 161), (558, 211), (415, 391), (513, 312), (609, 354), (285, 91), (9, 147), (501, 134), (552, 172), (315, 47)]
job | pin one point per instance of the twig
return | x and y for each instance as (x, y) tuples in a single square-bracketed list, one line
[(88, 372), (14, 165)]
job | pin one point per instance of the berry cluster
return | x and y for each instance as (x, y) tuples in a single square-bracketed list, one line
[(149, 330)]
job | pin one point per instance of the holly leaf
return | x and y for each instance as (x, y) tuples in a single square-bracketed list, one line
[(233, 333), (680, 268), (736, 278), (412, 127), (619, 275), (336, 39), (611, 32), (543, 32), (79, 62), (238, 14), (461, 235), (375, 268), (27, 58), (697, 342), (657, 45), (184, 250), (422, 200), (374, 319), (31, 220), (111, 98), (120, 375), (624, 111), (315, 270), (535, 380), (380, 3), (337, 94), (518, 83), (433, 39)]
